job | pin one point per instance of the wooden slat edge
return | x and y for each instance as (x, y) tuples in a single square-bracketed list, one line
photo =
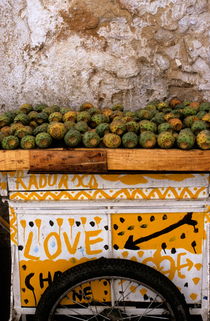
[(13, 160), (122, 159), (158, 160), (69, 161)]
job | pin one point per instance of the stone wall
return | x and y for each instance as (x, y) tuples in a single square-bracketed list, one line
[(105, 51)]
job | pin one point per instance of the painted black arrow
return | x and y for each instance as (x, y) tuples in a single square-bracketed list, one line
[(130, 244)]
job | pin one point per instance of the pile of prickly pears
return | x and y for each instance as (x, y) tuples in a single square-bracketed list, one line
[(165, 124)]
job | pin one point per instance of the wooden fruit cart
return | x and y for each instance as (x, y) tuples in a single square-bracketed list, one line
[(73, 206)]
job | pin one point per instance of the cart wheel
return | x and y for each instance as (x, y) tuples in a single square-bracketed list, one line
[(112, 290)]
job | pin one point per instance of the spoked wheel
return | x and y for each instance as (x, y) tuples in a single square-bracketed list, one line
[(112, 290)]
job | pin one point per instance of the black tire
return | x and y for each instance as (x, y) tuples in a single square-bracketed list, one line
[(163, 296)]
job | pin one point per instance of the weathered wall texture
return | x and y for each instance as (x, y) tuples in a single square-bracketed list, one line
[(104, 51)]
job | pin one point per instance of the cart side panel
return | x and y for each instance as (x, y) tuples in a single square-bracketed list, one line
[(22, 181)]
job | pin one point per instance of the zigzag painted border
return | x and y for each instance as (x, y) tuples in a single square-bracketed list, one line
[(13, 225), (125, 193)]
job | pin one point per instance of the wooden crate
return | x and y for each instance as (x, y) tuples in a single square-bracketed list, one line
[(103, 160)]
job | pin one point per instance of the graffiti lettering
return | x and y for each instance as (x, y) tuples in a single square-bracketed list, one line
[(61, 241), (41, 181), (82, 294)]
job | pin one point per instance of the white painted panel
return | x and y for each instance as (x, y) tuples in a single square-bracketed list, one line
[(22, 181), (3, 184)]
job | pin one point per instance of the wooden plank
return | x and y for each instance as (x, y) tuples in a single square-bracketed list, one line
[(101, 160), (12, 160), (158, 160), (68, 161)]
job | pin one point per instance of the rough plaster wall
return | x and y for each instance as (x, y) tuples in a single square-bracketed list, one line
[(103, 51)]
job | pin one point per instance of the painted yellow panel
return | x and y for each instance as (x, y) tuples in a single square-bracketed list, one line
[(158, 231), (36, 276)]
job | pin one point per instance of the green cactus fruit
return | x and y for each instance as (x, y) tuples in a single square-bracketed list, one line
[(2, 135), (97, 119), (6, 130), (205, 106), (176, 113), (126, 119), (132, 126), (179, 106), (84, 116), (164, 127), (81, 126), (55, 117), (187, 111), (28, 142), (206, 117), (50, 109), (167, 110), (195, 105), (40, 107), (130, 140), (119, 118), (107, 111), (43, 140), (15, 126), (200, 114), (168, 116), (129, 113), (4, 120), (86, 106), (203, 139), (111, 140), (33, 115), (26, 108), (188, 121), (102, 129), (198, 126), (71, 115), (11, 115), (176, 124), (10, 142), (145, 114), (174, 101), (116, 113), (41, 118), (64, 110), (91, 139), (147, 125), (40, 129), (166, 140), (56, 108), (151, 107), (185, 139), (56, 130), (69, 124), (33, 124), (161, 106), (94, 110), (72, 138), (117, 127), (147, 139), (118, 107), (23, 131), (158, 118), (22, 118)]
